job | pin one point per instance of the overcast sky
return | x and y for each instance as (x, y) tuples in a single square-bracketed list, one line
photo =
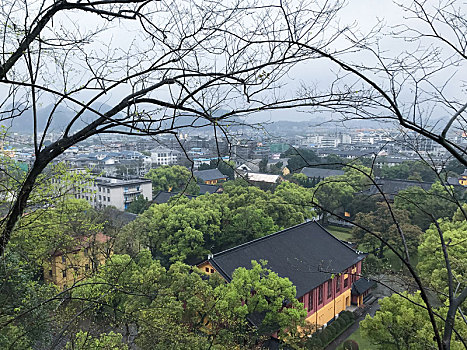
[(363, 14)]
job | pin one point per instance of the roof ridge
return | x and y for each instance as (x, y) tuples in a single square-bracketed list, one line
[(263, 238)]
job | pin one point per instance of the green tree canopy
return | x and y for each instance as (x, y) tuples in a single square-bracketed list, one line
[(399, 324), (177, 308), (426, 206), (300, 158), (139, 205), (432, 266), (175, 178), (383, 225), (188, 229)]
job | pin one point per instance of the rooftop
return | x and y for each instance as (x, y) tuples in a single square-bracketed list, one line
[(209, 174), (321, 173), (306, 254), (114, 182)]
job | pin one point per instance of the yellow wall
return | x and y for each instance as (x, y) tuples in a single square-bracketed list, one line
[(74, 265), (331, 309), (203, 266)]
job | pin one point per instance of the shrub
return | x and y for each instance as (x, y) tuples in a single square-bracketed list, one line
[(314, 343), (341, 323), (350, 345), (324, 336), (332, 331)]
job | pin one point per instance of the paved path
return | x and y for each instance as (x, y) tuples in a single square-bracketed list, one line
[(340, 339)]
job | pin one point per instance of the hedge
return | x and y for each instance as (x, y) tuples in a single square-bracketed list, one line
[(322, 338)]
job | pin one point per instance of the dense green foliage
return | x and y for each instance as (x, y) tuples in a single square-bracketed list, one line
[(85, 341), (336, 193), (322, 338), (383, 225), (22, 324), (425, 207), (188, 229), (431, 264), (46, 230), (177, 308), (300, 158), (139, 205), (174, 178), (402, 325), (417, 170)]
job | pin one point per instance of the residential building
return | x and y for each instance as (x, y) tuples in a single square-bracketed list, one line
[(68, 266), (322, 268), (210, 176), (165, 156), (263, 180), (103, 192), (249, 166)]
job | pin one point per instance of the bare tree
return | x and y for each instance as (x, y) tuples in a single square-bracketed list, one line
[(197, 59), (174, 65)]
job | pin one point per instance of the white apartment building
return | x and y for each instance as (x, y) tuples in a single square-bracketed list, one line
[(164, 156), (106, 191)]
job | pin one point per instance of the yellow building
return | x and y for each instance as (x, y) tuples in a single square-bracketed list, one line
[(64, 268), (322, 268), (463, 178)]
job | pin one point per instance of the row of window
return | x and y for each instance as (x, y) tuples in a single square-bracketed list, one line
[(102, 189), (329, 291), (103, 198)]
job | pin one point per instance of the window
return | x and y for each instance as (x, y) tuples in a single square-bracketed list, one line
[(310, 301), (207, 269), (346, 282), (212, 270), (63, 259), (50, 273), (100, 197), (108, 190), (320, 294), (108, 199), (338, 283), (64, 273), (329, 288)]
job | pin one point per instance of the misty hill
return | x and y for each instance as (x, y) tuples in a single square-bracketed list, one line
[(62, 117)]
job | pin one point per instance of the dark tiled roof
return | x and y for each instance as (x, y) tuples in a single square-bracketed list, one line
[(164, 196), (118, 218), (307, 254), (203, 188), (392, 187), (209, 174), (361, 285), (320, 172)]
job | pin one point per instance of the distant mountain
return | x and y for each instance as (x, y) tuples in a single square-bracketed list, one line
[(62, 117)]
